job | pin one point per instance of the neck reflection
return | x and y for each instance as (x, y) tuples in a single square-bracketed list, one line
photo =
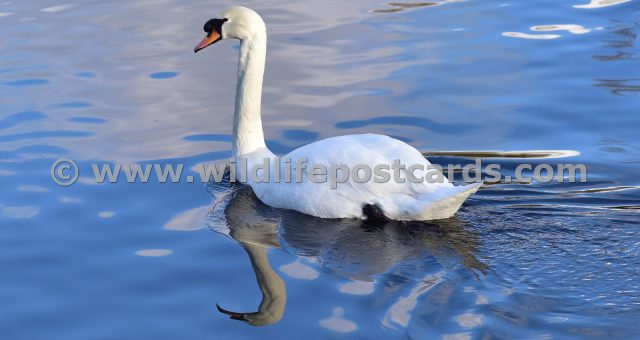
[(352, 249)]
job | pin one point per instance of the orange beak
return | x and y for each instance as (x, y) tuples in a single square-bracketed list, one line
[(211, 39)]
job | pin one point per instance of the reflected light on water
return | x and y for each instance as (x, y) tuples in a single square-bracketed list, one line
[(20, 212), (192, 219), (400, 312), (338, 323), (299, 270), (358, 287), (601, 3), (575, 29), (58, 8), (154, 252), (106, 214), (531, 36)]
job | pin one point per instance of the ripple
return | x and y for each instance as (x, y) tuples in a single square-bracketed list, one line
[(192, 219), (299, 270), (625, 207), (402, 138), (5, 14), (32, 188), (599, 190), (20, 117), (481, 300), (106, 214), (88, 181), (614, 57), (338, 323), (87, 120), (400, 313), (601, 3), (401, 6), (457, 336), (620, 87), (420, 122), (300, 135), (86, 74), (530, 36), (74, 105), (625, 37), (469, 320), (44, 134), (163, 75), (22, 212), (210, 137), (5, 172), (358, 287), (612, 149), (292, 123), (27, 82), (574, 29), (69, 200), (154, 252), (58, 8)]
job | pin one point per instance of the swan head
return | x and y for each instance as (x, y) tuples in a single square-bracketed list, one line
[(235, 23)]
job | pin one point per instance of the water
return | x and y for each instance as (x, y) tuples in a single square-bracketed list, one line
[(117, 81)]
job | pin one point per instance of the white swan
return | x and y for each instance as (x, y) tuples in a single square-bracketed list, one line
[(393, 199)]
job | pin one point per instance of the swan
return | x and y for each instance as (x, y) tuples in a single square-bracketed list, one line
[(393, 199)]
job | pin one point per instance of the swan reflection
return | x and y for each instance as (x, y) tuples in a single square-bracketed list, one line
[(353, 249)]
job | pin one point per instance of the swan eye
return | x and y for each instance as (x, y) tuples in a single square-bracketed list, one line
[(214, 25)]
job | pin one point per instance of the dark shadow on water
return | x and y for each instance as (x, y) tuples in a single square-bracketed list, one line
[(210, 137), (352, 249), (619, 86), (401, 6)]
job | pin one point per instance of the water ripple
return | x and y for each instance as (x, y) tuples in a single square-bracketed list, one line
[(531, 36), (45, 134), (420, 122), (163, 75), (575, 29), (21, 117), (620, 87), (401, 6), (601, 3), (27, 82)]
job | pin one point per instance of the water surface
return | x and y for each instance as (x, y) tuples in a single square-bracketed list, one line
[(117, 81)]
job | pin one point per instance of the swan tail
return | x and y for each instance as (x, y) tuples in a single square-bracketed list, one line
[(447, 204), (427, 206)]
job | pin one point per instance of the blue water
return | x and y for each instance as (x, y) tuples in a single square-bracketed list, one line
[(118, 82)]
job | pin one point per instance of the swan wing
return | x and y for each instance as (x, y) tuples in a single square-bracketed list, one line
[(400, 200)]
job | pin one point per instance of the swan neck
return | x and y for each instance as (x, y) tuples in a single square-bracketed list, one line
[(247, 128)]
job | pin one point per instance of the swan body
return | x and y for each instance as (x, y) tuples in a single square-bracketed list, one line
[(398, 200)]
